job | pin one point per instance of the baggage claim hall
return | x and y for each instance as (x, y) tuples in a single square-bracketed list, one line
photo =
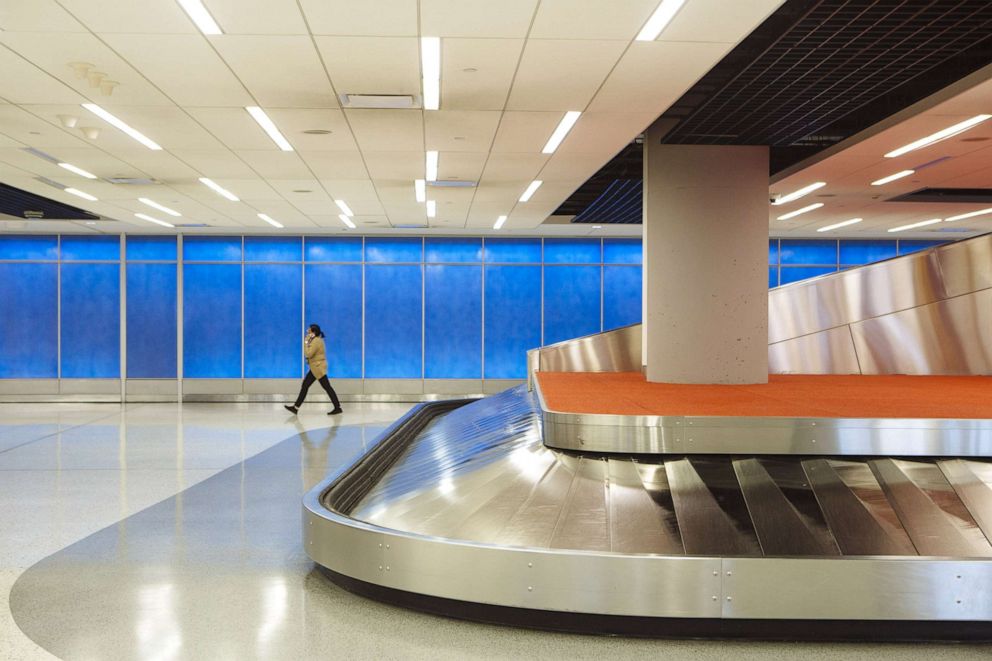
[(495, 329)]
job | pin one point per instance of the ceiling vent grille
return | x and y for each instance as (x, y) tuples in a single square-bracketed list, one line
[(22, 204), (380, 101)]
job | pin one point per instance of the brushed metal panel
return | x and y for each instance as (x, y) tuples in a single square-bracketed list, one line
[(642, 516), (869, 291), (857, 589), (933, 531), (493, 386), (287, 387), (948, 337), (966, 266), (583, 522), (453, 386), (152, 387), (972, 481), (90, 387), (212, 387), (616, 350), (29, 386), (394, 386), (828, 352)]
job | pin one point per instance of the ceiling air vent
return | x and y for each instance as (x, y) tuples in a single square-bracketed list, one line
[(452, 183), (945, 195), (380, 101), (134, 181)]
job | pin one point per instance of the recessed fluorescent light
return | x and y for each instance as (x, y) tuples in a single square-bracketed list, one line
[(499, 222), (346, 220), (968, 215), (270, 221), (199, 14), (793, 214), (344, 207), (431, 166), (155, 205), (153, 220), (269, 127), (950, 131), (841, 224), (420, 189), (80, 171), (892, 177), (430, 59), (123, 126), (597, 227), (534, 185), (218, 189), (661, 17), (915, 225), (79, 193), (564, 126), (805, 190), (431, 208)]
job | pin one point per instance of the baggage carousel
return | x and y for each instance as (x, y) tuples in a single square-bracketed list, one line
[(496, 509)]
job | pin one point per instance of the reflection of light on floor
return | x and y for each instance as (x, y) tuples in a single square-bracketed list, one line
[(274, 595), (532, 464), (446, 486), (158, 633)]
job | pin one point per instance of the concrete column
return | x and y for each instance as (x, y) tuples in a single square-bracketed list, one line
[(705, 278)]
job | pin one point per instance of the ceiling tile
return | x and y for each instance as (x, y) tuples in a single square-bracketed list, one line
[(562, 74), (591, 19), (460, 130), (476, 73), (275, 164), (215, 164), (262, 63), (191, 74), (372, 65), (25, 127), (335, 165), (257, 16), (387, 130), (350, 190), (293, 123), (36, 16), (404, 166), (460, 166), (23, 82), (131, 16), (476, 18), (525, 131), (347, 17), (717, 20), (513, 167), (573, 166), (598, 132), (233, 127)]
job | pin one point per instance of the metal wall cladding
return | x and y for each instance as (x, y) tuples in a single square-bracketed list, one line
[(829, 352), (611, 351)]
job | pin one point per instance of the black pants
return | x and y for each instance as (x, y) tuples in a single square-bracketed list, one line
[(325, 384)]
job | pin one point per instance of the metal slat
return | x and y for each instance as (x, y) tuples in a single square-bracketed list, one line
[(781, 529), (709, 526), (583, 521), (535, 520), (855, 526), (965, 477), (642, 518), (927, 524)]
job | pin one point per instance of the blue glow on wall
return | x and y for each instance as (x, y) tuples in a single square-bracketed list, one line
[(393, 324), (796, 273), (29, 323), (621, 296), (513, 319), (27, 247), (212, 321), (513, 251), (453, 322), (90, 248), (572, 251), (452, 250), (622, 251), (909, 246), (91, 329), (212, 249), (152, 248), (334, 302), (394, 249), (151, 320), (273, 249), (571, 302), (865, 252), (812, 251), (333, 248), (273, 321)]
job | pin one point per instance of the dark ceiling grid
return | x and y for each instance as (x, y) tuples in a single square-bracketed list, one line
[(23, 204), (813, 74)]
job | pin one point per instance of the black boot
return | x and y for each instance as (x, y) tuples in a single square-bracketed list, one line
[(291, 409), (336, 410)]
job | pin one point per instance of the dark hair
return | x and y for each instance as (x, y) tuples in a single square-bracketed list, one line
[(316, 330)]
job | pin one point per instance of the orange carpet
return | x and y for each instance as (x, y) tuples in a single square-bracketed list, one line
[(793, 395)]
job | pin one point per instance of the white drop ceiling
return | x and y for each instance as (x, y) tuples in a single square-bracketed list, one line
[(965, 161), (510, 70)]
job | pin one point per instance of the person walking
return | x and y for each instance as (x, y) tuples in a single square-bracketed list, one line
[(313, 349)]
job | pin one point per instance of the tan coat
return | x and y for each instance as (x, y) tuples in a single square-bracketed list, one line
[(316, 357)]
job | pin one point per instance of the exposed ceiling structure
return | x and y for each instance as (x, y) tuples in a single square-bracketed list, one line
[(509, 71), (815, 73)]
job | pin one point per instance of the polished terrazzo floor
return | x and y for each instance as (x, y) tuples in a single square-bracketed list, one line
[(160, 531)]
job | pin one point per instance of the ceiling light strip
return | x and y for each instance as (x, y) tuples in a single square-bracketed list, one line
[(346, 220), (122, 125), (269, 127), (529, 193), (270, 220), (892, 177), (431, 208), (153, 220), (659, 20), (924, 223), (430, 165), (564, 126), (430, 60), (155, 205), (499, 222), (845, 223), (968, 215), (209, 183), (420, 190), (80, 171), (944, 134), (199, 15), (805, 190), (79, 193), (793, 214), (344, 207)]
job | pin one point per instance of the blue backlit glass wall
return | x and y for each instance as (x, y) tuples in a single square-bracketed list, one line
[(90, 305), (29, 340), (792, 260), (152, 322)]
